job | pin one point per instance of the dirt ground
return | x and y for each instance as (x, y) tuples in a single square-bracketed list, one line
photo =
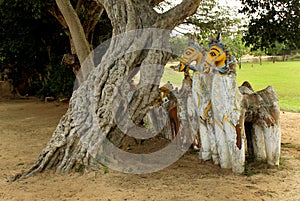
[(27, 125)]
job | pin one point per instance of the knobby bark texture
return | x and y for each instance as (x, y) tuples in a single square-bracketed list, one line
[(91, 118)]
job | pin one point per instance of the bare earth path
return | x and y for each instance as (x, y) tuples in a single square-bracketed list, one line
[(27, 125)]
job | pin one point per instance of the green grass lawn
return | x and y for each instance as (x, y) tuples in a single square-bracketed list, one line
[(173, 76), (283, 76)]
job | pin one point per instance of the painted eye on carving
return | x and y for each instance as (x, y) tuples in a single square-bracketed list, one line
[(212, 54), (188, 53)]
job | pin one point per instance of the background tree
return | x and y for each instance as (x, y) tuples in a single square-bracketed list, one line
[(178, 43), (34, 41), (92, 103), (279, 49), (237, 46), (31, 46), (211, 18), (272, 21)]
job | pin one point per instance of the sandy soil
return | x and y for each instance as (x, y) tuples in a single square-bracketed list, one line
[(27, 125)]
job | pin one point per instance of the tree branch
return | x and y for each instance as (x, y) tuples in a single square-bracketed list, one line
[(57, 14), (102, 2), (77, 33), (78, 6), (94, 13), (175, 16)]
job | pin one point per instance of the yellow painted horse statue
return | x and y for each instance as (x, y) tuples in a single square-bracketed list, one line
[(192, 57), (217, 100), (224, 110)]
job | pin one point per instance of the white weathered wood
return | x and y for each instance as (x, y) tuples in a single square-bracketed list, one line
[(266, 143), (258, 141), (263, 112), (227, 111), (219, 108), (202, 85), (273, 143)]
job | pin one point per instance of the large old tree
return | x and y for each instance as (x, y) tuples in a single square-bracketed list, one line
[(90, 117)]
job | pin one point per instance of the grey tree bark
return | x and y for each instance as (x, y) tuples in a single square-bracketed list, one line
[(91, 105)]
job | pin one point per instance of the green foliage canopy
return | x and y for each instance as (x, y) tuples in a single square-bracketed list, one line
[(212, 18), (272, 21)]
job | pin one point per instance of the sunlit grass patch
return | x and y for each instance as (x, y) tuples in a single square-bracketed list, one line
[(283, 76)]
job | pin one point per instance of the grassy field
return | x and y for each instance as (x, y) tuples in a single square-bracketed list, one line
[(283, 76)]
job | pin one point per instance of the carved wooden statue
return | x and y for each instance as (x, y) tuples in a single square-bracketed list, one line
[(224, 111)]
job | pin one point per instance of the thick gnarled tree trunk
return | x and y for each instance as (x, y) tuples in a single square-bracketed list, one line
[(77, 141)]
